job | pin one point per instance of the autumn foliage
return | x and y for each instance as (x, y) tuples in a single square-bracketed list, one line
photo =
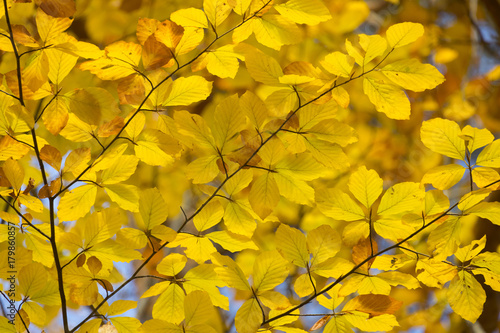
[(249, 165)]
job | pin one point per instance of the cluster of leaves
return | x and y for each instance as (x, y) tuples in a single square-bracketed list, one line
[(81, 128)]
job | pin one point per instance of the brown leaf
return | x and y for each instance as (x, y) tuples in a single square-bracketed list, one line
[(375, 305), (105, 284), (111, 128), (320, 323), (57, 8), (155, 54), (94, 265), (80, 261)]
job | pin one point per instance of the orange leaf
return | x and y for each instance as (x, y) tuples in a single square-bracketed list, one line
[(363, 250)]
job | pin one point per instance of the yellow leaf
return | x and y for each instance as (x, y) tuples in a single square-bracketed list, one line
[(387, 98), (309, 12), (56, 116), (14, 173), (294, 189), (470, 251), (198, 308), (92, 105), (270, 269), (341, 96), (473, 198), (172, 264), (77, 161), (466, 296), (435, 202), (125, 324), (230, 121), (323, 243), (365, 322), (74, 129), (119, 171), (191, 38), (190, 17), (338, 324), (238, 219), (402, 34), (373, 46), (60, 64), (241, 6), (152, 208), (330, 155), (413, 75), (249, 317), (223, 62), (76, 203), (400, 279), (211, 214), (187, 90), (445, 238), (32, 278), (149, 150), (393, 229), (366, 186), (197, 248), (126, 196), (231, 242), (338, 63), (50, 27), (374, 305), (169, 34), (229, 272), (490, 156), (264, 195), (36, 72), (203, 170), (444, 177), (401, 198), (275, 31), (303, 286), (217, 11), (263, 68), (291, 243), (486, 210), (476, 138), (338, 205), (170, 305), (31, 202)]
